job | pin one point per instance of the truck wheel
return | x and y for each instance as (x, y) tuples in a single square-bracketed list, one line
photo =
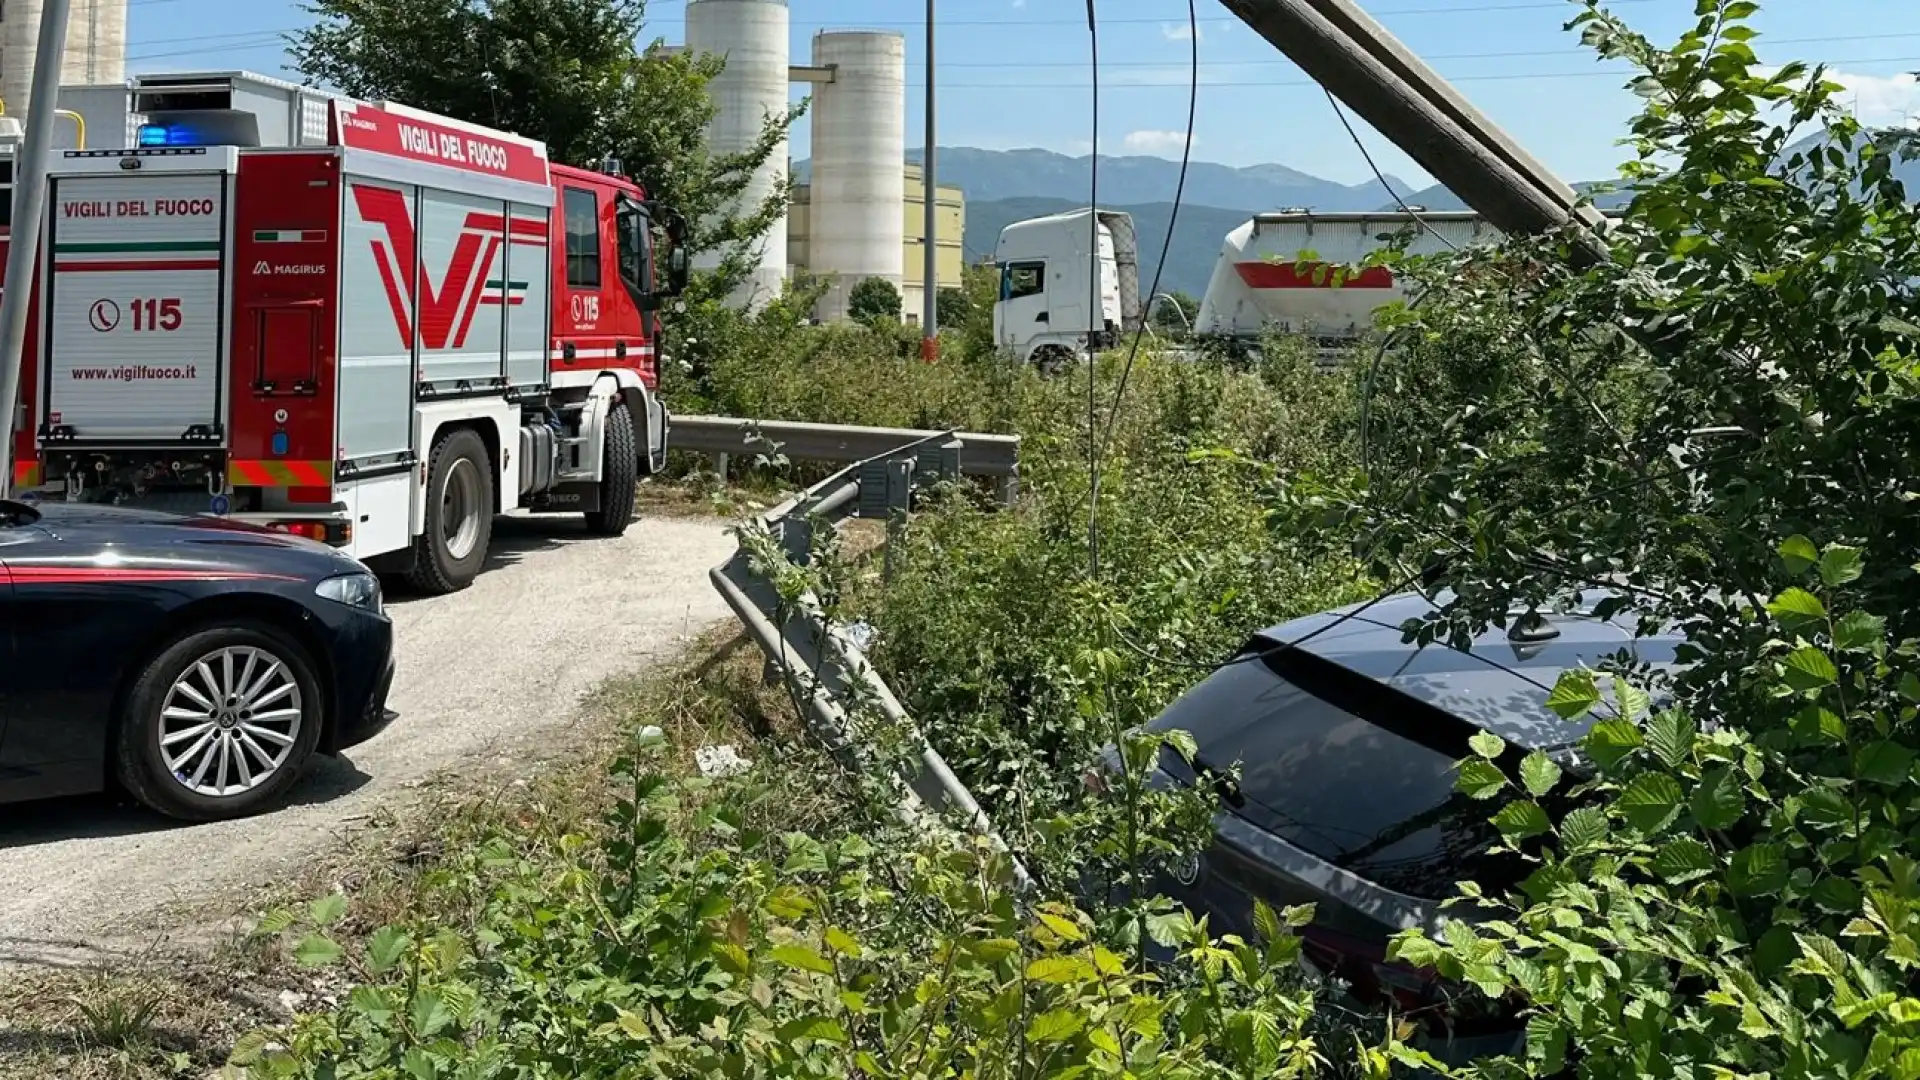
[(621, 468), (1052, 359), (449, 554), (219, 724)]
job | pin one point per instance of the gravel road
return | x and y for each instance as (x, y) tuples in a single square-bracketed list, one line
[(487, 671)]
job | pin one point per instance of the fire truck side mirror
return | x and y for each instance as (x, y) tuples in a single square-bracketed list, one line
[(677, 271)]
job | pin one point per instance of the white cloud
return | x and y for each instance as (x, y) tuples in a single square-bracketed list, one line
[(1155, 143), (1875, 100), (1182, 32)]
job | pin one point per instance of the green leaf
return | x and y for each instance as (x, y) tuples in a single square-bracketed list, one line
[(1825, 807), (1759, 870), (1858, 631), (1651, 802), (1486, 744), (1799, 554), (993, 950), (1574, 693), (430, 1014), (1899, 326), (328, 909), (1839, 565), (1809, 668), (1539, 773), (1583, 828), (1796, 607), (817, 1028), (385, 949), (1065, 928), (1884, 762), (1266, 923), (1056, 1025), (1610, 741), (1061, 969), (1670, 736), (1520, 820), (1683, 860), (801, 958), (1546, 1044), (316, 950), (1718, 800), (841, 942), (1479, 779)]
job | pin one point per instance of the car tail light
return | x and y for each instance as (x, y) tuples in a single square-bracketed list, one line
[(337, 533)]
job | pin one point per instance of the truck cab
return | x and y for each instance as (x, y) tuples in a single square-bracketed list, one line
[(1049, 275)]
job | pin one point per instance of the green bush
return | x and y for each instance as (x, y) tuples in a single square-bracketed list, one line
[(696, 939), (1716, 420)]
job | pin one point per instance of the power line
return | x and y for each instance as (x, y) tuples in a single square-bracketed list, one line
[(1462, 9), (1589, 73), (1465, 9)]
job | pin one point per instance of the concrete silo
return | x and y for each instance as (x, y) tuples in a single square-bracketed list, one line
[(753, 37), (858, 189), (96, 47)]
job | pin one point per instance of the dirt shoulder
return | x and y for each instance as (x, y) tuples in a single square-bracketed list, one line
[(175, 1005)]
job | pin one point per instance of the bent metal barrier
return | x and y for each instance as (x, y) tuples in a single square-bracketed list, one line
[(723, 437), (829, 675)]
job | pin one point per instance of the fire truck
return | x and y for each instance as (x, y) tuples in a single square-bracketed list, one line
[(354, 321)]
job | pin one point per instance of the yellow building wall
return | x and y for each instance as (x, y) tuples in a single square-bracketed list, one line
[(950, 227)]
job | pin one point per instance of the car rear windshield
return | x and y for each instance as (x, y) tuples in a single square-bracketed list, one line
[(1351, 771)]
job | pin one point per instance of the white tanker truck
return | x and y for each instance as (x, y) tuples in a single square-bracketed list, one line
[(1259, 283)]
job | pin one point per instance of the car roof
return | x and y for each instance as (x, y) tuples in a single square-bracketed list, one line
[(1497, 684)]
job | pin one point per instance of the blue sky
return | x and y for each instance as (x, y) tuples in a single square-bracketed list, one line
[(1014, 73)]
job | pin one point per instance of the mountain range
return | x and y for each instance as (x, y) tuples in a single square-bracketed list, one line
[(1005, 186)]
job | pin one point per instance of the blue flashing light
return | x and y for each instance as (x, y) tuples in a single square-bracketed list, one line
[(165, 135)]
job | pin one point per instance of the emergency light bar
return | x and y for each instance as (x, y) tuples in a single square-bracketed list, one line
[(164, 135)]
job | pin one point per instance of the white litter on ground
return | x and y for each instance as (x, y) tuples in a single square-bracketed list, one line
[(721, 760)]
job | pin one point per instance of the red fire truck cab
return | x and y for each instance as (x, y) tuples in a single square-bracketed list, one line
[(356, 321)]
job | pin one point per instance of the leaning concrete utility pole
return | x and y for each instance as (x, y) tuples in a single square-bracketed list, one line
[(929, 186), (29, 210), (1366, 67)]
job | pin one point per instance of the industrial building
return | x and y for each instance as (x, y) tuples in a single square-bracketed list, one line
[(96, 48), (855, 219), (949, 227)]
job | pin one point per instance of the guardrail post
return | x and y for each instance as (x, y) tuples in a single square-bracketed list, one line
[(720, 463)]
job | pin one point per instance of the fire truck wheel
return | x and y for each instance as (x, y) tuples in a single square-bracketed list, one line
[(449, 554), (220, 724), (617, 488)]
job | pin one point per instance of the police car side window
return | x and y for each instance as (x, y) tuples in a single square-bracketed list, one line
[(583, 238)]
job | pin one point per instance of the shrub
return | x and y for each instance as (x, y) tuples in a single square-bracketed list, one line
[(873, 300), (693, 940), (1714, 421)]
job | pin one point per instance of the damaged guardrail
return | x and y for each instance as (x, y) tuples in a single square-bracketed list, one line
[(723, 438), (829, 675)]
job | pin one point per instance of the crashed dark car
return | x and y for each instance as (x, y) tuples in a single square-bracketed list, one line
[(1347, 747)]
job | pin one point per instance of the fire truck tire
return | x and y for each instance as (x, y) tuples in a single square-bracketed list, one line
[(617, 487), (172, 772), (459, 526)]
